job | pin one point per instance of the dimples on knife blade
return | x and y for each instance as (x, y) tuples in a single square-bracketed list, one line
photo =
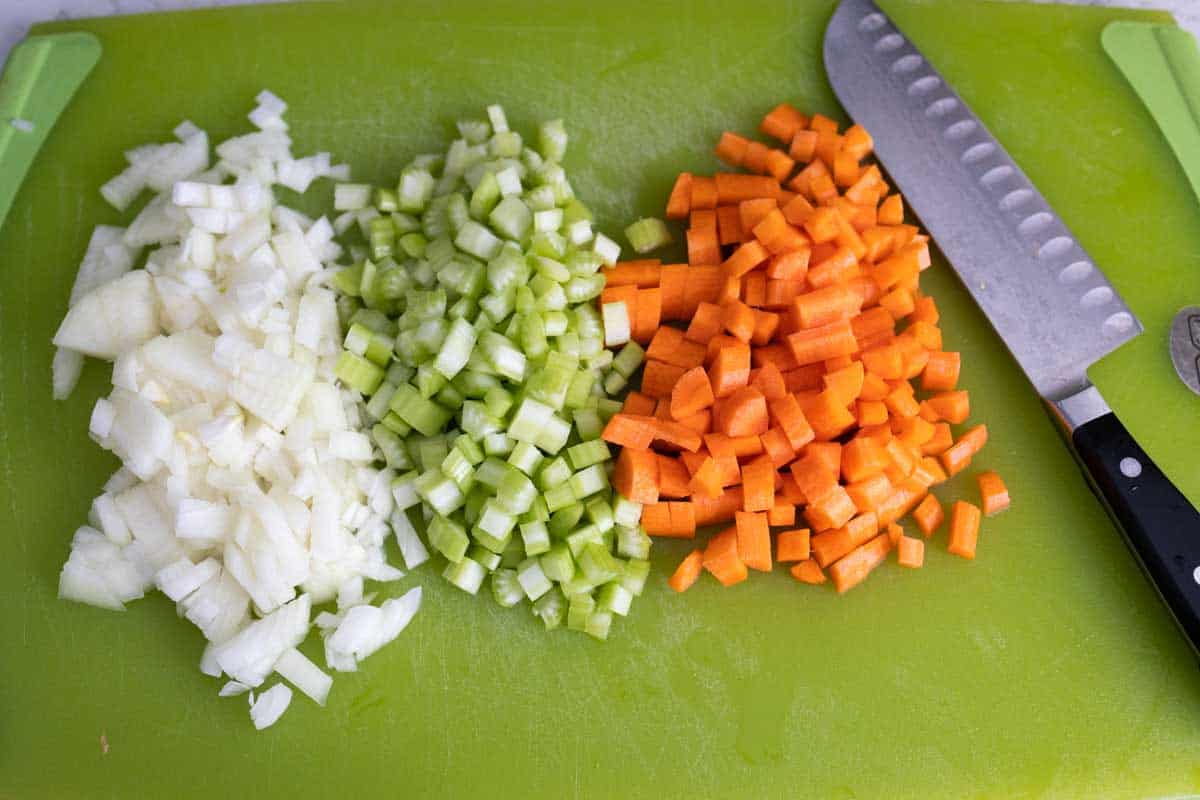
[(1053, 308)]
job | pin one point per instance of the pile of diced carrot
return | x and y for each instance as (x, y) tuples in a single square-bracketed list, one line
[(807, 388)]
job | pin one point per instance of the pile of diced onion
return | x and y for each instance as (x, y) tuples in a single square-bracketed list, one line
[(247, 493)]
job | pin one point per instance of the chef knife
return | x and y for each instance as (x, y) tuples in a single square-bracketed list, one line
[(1045, 297)]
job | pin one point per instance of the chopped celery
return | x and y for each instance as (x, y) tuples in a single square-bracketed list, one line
[(648, 233), (474, 337), (466, 574), (505, 589)]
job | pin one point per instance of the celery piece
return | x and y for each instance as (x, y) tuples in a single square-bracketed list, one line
[(614, 597), (551, 608), (588, 481), (555, 322), (637, 570), (551, 384), (491, 472), (582, 536), (614, 382), (503, 356), (548, 220), (540, 198), (579, 390), (597, 564), (600, 513), (558, 497), (632, 542), (406, 224), (511, 218), (429, 382), (392, 447), (598, 625), (607, 407), (358, 373), (557, 563), (533, 336), (456, 467), (485, 558), (579, 609), (477, 422), (588, 423), (497, 444), (505, 144), (456, 349), (535, 537), (552, 140), (506, 591), (475, 384), (532, 579), (525, 457), (552, 269), (469, 448), (647, 234), (485, 197), (424, 415), (587, 453), (551, 245), (564, 520), (386, 200), (431, 451), (495, 521), (466, 574), (529, 420), (554, 473), (404, 491), (415, 190), (396, 425), (626, 512), (626, 362), (441, 493), (449, 396), (583, 288), (497, 401), (411, 244), (448, 538), (554, 435)]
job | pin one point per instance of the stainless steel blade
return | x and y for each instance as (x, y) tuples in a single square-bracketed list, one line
[(1053, 308)]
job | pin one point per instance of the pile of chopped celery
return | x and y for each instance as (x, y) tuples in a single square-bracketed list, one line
[(472, 329)]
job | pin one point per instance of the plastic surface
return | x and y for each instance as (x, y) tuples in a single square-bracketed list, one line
[(1045, 668)]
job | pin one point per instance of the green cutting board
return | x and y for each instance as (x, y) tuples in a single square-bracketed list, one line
[(1045, 668)]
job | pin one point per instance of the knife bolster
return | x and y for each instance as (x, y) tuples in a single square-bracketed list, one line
[(1080, 408)]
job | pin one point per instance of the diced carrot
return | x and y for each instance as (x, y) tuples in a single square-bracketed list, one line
[(792, 545), (900, 401), (680, 201), (643, 274), (703, 219), (721, 558), (874, 388), (956, 457), (647, 314), (754, 540), (704, 192), (635, 475), (743, 413), (758, 485), (822, 342), (683, 520), (852, 570), (730, 369), (821, 225), (925, 310), (894, 533), (812, 475), (638, 404), (687, 572), (765, 323), (831, 510), (789, 266), (672, 279), (862, 458), (755, 159), (656, 519), (729, 225), (720, 509), (857, 142), (779, 165), (706, 481), (628, 430), (670, 346), (746, 446), (929, 515), (928, 472), (782, 513), (786, 413), (703, 246), (826, 305), (659, 377), (789, 491), (777, 447), (908, 493), (703, 285), (910, 552), (993, 494), (913, 430), (964, 529), (846, 169), (845, 384), (738, 319), (713, 349), (808, 572), (891, 211), (705, 324), (768, 380), (783, 122), (803, 379), (870, 412), (941, 372), (886, 361), (828, 546), (673, 478), (731, 148), (828, 143), (870, 493), (898, 302), (752, 212), (674, 434), (953, 407), (940, 441), (828, 417), (691, 394), (797, 210), (734, 187), (700, 422)]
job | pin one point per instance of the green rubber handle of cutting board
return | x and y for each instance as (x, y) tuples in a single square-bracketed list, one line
[(1162, 64), (39, 79)]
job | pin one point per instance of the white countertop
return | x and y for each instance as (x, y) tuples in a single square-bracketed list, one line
[(17, 15)]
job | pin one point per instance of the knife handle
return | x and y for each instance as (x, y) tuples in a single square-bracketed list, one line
[(1159, 524)]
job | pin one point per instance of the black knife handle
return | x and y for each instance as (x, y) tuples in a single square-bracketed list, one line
[(1159, 524)]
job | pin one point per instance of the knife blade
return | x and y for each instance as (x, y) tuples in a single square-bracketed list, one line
[(1051, 305)]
